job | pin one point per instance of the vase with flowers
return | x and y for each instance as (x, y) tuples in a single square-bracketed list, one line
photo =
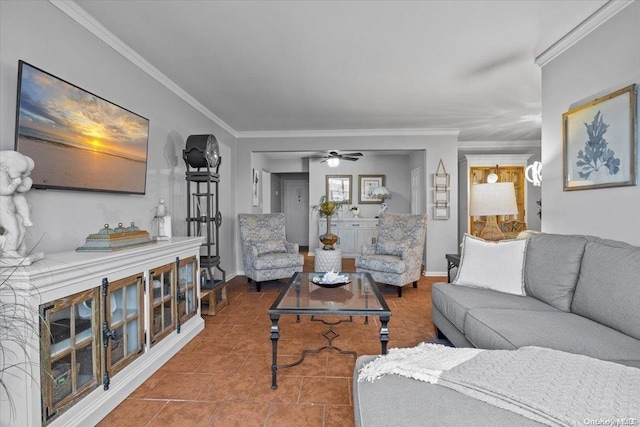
[(326, 208)]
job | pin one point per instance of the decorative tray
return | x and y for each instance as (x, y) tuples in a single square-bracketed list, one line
[(109, 240), (330, 285)]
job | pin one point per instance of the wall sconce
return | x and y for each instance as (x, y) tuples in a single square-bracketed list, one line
[(333, 162), (533, 173)]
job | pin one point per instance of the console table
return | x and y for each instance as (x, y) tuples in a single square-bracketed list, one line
[(453, 260), (352, 234), (152, 290)]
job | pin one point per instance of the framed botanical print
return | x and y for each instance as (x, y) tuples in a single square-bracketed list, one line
[(600, 142), (368, 183)]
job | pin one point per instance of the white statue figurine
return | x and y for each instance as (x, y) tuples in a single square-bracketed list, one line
[(15, 214), (383, 208)]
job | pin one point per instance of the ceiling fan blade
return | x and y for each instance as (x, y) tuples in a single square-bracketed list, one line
[(353, 159), (353, 154), (323, 160)]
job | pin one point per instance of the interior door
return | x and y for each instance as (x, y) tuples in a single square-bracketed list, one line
[(296, 211)]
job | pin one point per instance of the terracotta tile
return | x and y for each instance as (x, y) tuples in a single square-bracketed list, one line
[(178, 386), (288, 390), (149, 384), (184, 414), (312, 365), (239, 414), (257, 364), (327, 390), (296, 415), (222, 387), (133, 413), (340, 365), (221, 363), (338, 416), (184, 361)]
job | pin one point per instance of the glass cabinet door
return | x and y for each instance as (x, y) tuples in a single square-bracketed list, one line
[(162, 302), (124, 315), (187, 290), (69, 328)]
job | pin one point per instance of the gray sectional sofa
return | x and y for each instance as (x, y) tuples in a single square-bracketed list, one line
[(582, 297)]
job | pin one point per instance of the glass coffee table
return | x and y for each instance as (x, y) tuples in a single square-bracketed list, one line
[(359, 297)]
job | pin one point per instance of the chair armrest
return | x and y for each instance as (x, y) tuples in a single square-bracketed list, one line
[(368, 249), (411, 252), (292, 248)]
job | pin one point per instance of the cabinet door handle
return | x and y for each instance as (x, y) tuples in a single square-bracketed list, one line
[(355, 225)]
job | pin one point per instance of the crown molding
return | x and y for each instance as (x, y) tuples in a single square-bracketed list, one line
[(75, 12), (348, 133), (596, 19)]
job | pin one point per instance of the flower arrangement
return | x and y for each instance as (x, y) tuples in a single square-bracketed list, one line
[(326, 208)]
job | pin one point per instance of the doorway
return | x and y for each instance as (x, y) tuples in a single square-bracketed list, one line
[(296, 211)]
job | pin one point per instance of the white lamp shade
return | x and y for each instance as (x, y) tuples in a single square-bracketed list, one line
[(333, 162), (493, 199), (380, 193)]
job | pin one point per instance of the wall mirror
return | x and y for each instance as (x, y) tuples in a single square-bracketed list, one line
[(339, 188)]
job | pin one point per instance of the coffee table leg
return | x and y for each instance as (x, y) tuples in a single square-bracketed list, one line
[(275, 334), (384, 333)]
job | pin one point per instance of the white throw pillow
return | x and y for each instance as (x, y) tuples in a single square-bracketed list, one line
[(492, 265)]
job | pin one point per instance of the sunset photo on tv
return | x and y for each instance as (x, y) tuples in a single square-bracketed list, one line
[(76, 139)]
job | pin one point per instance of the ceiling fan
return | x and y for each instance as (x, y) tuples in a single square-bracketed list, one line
[(335, 155)]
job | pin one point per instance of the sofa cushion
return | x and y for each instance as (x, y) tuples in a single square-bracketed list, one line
[(455, 301), (274, 246), (492, 265), (552, 266), (608, 289), (510, 329)]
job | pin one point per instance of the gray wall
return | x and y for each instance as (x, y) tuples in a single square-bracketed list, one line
[(605, 60), (44, 36)]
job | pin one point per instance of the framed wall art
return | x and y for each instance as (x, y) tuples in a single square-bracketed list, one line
[(255, 188), (599, 142), (368, 183), (339, 188)]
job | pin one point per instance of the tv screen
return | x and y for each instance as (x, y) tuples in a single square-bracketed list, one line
[(78, 140)]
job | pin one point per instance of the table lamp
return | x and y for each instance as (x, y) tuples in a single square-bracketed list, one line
[(490, 200)]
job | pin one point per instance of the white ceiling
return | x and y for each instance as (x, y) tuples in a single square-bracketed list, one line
[(266, 66)]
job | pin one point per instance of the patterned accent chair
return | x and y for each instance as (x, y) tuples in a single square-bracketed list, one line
[(265, 252), (396, 257)]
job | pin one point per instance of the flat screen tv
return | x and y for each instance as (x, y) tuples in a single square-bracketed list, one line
[(78, 140)]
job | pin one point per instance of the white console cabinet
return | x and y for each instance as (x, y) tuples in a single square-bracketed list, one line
[(71, 286), (352, 233)]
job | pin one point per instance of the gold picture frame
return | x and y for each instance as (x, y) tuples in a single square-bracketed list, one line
[(599, 142)]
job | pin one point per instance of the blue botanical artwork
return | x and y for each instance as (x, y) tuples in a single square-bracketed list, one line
[(596, 153)]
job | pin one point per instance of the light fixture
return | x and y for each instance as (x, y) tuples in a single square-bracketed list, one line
[(490, 200), (333, 162), (381, 193), (533, 173)]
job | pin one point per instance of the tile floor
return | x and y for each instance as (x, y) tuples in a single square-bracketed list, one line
[(223, 376)]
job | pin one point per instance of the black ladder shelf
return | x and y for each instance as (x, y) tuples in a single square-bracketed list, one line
[(204, 217)]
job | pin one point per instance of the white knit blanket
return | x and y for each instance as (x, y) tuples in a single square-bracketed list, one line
[(548, 386)]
